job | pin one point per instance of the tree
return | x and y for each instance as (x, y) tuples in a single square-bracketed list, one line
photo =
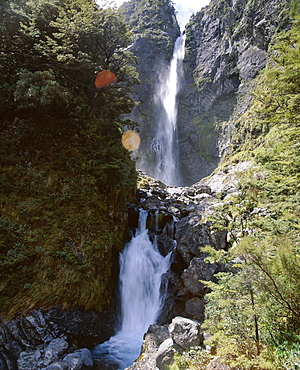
[(65, 177)]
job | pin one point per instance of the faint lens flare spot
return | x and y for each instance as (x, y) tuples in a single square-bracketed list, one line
[(105, 78), (131, 140)]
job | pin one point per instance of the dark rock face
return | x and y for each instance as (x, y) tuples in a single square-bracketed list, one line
[(177, 222), (226, 47), (44, 338)]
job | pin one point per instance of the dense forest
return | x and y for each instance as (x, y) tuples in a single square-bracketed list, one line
[(65, 177)]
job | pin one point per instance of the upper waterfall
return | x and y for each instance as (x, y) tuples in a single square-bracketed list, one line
[(165, 144)]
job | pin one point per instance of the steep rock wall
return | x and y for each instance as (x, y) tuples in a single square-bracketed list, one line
[(226, 47)]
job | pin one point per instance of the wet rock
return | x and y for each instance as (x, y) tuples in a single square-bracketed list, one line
[(59, 365), (31, 360), (165, 244), (80, 359), (104, 364), (55, 350), (174, 211), (133, 216)]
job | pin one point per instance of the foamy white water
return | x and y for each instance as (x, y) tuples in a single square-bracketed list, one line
[(141, 271), (165, 144)]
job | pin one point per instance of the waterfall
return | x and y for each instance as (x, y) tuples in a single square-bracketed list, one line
[(141, 271), (165, 144)]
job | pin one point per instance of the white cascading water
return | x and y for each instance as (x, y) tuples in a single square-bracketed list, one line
[(165, 144), (141, 271)]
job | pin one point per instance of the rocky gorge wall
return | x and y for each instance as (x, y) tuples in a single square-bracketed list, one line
[(226, 47)]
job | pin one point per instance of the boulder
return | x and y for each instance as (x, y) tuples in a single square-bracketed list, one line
[(55, 350), (47, 358), (190, 235), (225, 180), (195, 308), (80, 359), (59, 365), (185, 332), (165, 354), (152, 202), (144, 362), (202, 188), (31, 360), (154, 337)]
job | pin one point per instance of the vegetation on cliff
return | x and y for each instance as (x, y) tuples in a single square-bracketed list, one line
[(153, 19), (253, 313), (65, 177)]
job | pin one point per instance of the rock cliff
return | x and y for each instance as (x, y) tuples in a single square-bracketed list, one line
[(226, 47)]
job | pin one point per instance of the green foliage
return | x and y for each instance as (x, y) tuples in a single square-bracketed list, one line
[(194, 359), (65, 176), (40, 90), (145, 16), (253, 313)]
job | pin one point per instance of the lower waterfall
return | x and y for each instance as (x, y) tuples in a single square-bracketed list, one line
[(141, 271)]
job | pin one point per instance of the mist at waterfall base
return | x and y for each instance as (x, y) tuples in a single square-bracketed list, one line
[(164, 151), (141, 271)]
